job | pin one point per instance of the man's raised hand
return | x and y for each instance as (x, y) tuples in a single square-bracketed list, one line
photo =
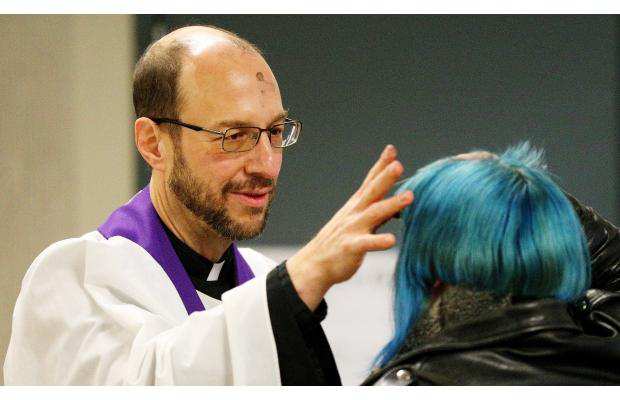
[(337, 251)]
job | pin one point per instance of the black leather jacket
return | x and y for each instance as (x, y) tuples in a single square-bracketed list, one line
[(543, 342)]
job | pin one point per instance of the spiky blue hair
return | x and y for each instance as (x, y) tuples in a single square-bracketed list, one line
[(497, 224)]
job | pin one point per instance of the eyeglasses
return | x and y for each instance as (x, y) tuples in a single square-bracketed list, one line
[(244, 138)]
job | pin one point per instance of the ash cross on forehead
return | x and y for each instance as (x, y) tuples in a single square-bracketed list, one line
[(261, 78)]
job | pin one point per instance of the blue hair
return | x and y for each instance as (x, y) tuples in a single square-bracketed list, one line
[(497, 224)]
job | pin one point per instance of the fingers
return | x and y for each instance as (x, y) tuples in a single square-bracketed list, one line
[(387, 156), (375, 215), (370, 242), (381, 184)]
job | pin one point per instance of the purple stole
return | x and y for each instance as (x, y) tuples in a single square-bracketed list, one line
[(138, 221)]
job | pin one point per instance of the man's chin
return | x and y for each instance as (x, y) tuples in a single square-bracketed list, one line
[(254, 218), (245, 232), (250, 220)]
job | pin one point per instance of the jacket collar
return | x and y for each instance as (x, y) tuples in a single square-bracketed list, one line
[(503, 324)]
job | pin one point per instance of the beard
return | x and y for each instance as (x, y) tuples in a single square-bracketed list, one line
[(210, 207)]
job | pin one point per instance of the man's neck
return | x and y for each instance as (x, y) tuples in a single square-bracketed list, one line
[(185, 225)]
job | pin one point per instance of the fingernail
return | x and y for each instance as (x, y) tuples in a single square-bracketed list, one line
[(388, 150), (405, 196)]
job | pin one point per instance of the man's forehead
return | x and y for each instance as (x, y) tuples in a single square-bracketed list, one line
[(227, 75), (235, 95), (220, 79), (217, 61)]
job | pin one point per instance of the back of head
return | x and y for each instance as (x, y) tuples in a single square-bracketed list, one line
[(495, 224)]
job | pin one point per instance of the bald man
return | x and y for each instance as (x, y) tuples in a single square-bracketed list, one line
[(160, 293)]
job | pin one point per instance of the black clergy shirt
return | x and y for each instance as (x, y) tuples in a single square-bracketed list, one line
[(304, 355)]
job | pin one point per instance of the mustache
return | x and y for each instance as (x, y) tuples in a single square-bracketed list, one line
[(254, 183)]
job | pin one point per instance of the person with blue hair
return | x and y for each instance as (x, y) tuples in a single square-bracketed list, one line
[(497, 283)]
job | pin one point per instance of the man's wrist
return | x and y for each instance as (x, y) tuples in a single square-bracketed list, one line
[(309, 281)]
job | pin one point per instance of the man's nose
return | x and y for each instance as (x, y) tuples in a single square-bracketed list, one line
[(264, 159)]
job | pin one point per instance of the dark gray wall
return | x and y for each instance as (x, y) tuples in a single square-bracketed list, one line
[(433, 86)]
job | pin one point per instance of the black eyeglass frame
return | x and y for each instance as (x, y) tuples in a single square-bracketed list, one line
[(223, 134)]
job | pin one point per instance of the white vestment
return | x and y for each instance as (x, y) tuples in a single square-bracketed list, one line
[(103, 311)]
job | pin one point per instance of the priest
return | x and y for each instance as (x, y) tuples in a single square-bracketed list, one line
[(161, 293)]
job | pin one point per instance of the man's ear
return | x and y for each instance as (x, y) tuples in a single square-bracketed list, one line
[(150, 143)]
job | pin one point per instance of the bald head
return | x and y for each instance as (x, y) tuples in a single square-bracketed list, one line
[(197, 39), (156, 80)]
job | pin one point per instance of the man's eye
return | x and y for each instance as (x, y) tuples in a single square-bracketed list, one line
[(277, 131), (238, 135)]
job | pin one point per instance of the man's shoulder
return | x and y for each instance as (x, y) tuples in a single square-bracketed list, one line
[(78, 247), (73, 255), (63, 252), (103, 269)]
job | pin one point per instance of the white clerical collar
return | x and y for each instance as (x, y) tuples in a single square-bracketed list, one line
[(215, 271)]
